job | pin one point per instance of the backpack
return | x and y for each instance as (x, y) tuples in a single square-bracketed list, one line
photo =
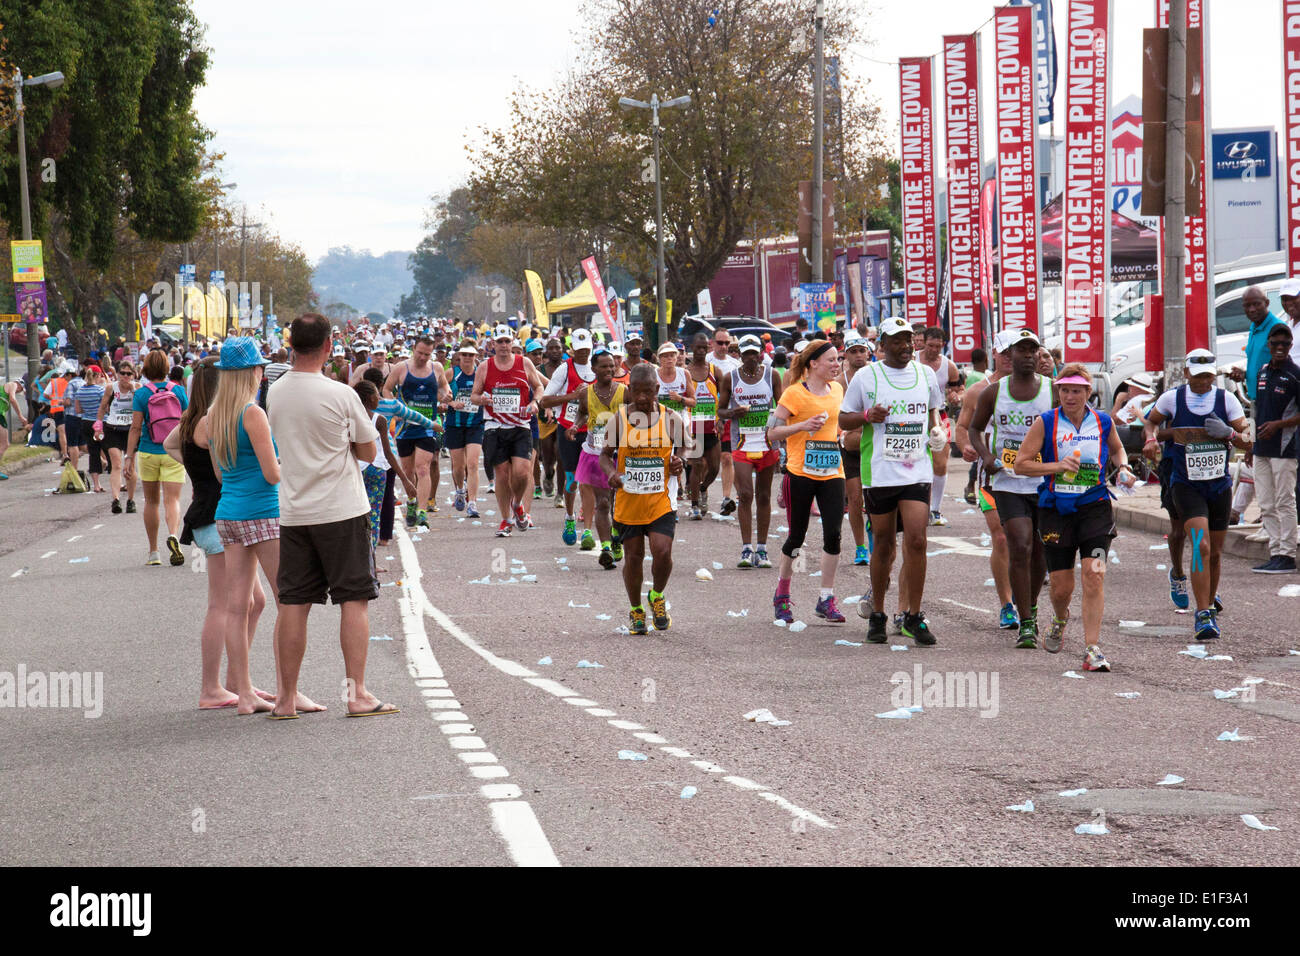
[(261, 392), (164, 411)]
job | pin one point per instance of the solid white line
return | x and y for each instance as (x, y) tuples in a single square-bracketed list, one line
[(550, 686), (448, 625), (48, 554), (96, 527), (18, 573), (982, 610), (75, 537), (513, 820)]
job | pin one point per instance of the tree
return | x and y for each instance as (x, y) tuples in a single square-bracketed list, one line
[(572, 159)]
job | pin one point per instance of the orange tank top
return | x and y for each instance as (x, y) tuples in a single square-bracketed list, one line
[(643, 457)]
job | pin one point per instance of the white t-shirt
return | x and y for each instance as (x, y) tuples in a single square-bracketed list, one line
[(1295, 342), (1135, 409), (861, 397), (1199, 404), (315, 421), (723, 366)]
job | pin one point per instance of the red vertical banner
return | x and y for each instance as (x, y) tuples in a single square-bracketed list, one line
[(598, 292), (961, 137), (1291, 101), (916, 172), (1198, 261), (1019, 242), (1085, 219)]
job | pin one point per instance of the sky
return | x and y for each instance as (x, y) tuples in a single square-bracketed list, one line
[(340, 119)]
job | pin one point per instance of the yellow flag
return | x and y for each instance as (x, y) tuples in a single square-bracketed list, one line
[(540, 314)]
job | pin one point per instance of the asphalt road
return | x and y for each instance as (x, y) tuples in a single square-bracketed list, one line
[(497, 758)]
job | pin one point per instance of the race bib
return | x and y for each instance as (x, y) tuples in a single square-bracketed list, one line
[(753, 423), (1206, 460), (596, 435), (428, 411), (571, 412), (1010, 447), (505, 400), (1077, 482), (672, 404), (904, 441), (644, 475), (463, 403), (706, 410), (821, 458)]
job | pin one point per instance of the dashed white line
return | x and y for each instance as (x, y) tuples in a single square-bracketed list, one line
[(48, 554), (982, 610)]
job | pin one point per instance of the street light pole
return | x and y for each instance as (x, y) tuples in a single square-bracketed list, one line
[(661, 290), (819, 82)]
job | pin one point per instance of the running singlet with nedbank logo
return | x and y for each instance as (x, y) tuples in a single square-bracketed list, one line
[(1011, 423), (896, 451), (420, 395)]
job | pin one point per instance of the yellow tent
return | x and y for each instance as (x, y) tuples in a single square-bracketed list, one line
[(580, 298), (209, 310)]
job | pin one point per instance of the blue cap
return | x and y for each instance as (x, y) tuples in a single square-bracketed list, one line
[(533, 346), (240, 352)]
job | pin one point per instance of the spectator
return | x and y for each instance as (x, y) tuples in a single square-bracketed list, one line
[(1277, 413), (1255, 304)]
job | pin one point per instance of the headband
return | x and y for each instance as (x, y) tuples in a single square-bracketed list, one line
[(1074, 380), (819, 352)]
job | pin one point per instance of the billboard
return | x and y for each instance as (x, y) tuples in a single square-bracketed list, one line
[(916, 174)]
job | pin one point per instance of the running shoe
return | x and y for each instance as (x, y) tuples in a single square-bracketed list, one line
[(746, 557), (528, 523), (504, 530), (728, 506), (117, 507), (828, 609), (1218, 604), (937, 520), (3, 476), (130, 506), (761, 560), (570, 534), (559, 500), (864, 606), (695, 514), (877, 632), (492, 487), (470, 510), (537, 493), (916, 627), (969, 494), (460, 499), (898, 621), (861, 556), (1028, 639), (1281, 564), (153, 561), (422, 518), (548, 486), (521, 519), (433, 506), (1008, 620), (704, 501), (607, 559), (410, 514), (1178, 590), (636, 621), (659, 608), (1095, 660), (1207, 628), (588, 540), (781, 605), (1055, 635), (174, 548), (616, 547)]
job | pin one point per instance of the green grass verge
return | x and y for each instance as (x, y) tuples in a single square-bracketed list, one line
[(16, 453)]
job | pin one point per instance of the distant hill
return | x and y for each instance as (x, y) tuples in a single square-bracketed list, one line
[(366, 282)]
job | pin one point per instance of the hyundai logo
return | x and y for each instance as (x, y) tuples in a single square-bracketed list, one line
[(1240, 150)]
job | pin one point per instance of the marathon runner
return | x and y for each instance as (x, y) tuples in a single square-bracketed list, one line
[(1008, 619), (747, 396), (547, 430), (896, 402), (1012, 406), (641, 451), (950, 377), (1205, 420), (704, 414), (9, 392), (1070, 447), (507, 387), (856, 358), (676, 395), (561, 389), (806, 420), (723, 360), (464, 431), (597, 403), (421, 384)]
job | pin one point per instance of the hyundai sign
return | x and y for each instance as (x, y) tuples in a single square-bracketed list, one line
[(1243, 154)]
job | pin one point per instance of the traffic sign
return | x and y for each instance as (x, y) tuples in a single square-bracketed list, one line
[(9, 318)]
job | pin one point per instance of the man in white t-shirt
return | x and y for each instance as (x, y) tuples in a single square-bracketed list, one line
[(322, 431)]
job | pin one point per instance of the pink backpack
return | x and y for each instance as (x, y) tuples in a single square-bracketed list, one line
[(164, 411)]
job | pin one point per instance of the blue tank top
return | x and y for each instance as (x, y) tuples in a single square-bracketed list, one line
[(1065, 494), (421, 395), (1201, 464), (245, 494), (461, 387)]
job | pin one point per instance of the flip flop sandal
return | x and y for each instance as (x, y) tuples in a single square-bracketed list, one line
[(381, 709)]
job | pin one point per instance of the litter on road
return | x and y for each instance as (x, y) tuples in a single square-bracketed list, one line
[(589, 664), (1252, 821), (765, 716), (631, 755), (1231, 735), (1026, 807), (545, 661), (1170, 780), (688, 792)]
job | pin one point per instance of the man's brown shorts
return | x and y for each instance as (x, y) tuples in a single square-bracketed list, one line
[(334, 559)]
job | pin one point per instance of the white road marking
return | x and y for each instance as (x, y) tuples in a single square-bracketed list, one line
[(982, 610), (96, 527), (513, 819), (19, 573), (75, 537), (411, 577), (600, 712), (48, 554), (958, 546), (579, 701)]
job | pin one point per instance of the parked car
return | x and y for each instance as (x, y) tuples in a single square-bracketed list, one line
[(736, 325)]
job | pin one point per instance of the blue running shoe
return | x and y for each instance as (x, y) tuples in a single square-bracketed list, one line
[(861, 556), (1009, 620), (1178, 590), (1207, 628), (570, 534)]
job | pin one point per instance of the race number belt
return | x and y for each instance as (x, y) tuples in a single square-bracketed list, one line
[(1206, 460), (1077, 482), (821, 457), (505, 401), (644, 476), (904, 441)]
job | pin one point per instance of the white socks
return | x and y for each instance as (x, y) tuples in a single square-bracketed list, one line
[(936, 492)]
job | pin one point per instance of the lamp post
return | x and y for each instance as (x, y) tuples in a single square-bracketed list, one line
[(654, 106), (53, 81)]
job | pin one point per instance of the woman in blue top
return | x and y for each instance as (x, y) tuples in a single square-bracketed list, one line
[(464, 434), (1070, 447), (161, 476), (238, 437)]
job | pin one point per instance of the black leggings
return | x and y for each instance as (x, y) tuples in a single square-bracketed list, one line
[(387, 507), (95, 450), (829, 493)]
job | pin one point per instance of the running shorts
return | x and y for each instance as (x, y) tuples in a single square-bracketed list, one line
[(1086, 533), (502, 444)]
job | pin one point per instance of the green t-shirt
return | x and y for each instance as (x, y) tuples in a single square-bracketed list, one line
[(973, 376)]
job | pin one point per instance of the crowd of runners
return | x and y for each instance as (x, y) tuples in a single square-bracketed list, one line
[(303, 453)]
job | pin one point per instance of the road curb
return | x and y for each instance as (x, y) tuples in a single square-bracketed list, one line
[(17, 468), (1157, 522)]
